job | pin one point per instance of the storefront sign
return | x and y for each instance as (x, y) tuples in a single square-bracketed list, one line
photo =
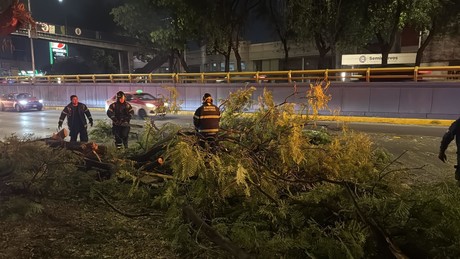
[(376, 59)]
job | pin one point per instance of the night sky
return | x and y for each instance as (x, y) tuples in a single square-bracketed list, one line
[(85, 14), (95, 15), (89, 14)]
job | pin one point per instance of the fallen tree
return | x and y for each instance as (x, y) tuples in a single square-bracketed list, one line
[(277, 186)]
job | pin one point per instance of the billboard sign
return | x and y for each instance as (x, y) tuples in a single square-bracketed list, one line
[(57, 51)]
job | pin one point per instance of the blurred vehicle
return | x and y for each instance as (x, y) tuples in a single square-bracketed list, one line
[(20, 102), (144, 104)]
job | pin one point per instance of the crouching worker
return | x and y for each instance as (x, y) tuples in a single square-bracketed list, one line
[(452, 132), (120, 112), (206, 121)]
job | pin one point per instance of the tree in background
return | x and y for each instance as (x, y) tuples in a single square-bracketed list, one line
[(282, 15), (89, 61), (431, 18), (162, 27), (330, 24), (105, 61), (385, 19), (165, 28), (224, 25)]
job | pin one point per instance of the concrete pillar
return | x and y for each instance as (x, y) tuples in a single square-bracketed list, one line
[(130, 61), (120, 62), (203, 58)]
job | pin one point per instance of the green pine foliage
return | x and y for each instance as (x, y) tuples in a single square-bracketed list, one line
[(37, 167), (102, 131), (276, 187), (31, 170), (279, 187), (17, 207)]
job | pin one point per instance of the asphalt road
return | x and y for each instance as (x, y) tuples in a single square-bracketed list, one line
[(412, 130), (417, 145), (44, 123)]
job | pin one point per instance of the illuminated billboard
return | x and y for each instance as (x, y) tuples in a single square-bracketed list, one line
[(58, 51)]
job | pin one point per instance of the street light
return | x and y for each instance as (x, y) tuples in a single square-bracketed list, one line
[(65, 20), (31, 36)]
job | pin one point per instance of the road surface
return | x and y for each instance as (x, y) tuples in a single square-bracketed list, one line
[(42, 124), (418, 145)]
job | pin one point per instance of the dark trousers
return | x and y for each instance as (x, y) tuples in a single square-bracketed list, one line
[(457, 166), (75, 130), (121, 134), (208, 141)]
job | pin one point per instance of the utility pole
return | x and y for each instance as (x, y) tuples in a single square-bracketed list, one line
[(32, 53)]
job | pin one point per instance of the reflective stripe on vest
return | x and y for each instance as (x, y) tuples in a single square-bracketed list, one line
[(208, 117), (208, 130)]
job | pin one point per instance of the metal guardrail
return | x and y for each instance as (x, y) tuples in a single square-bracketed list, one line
[(416, 74)]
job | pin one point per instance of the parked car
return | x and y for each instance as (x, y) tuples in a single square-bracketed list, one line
[(20, 102), (144, 104)]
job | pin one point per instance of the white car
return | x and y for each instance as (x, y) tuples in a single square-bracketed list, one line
[(144, 104)]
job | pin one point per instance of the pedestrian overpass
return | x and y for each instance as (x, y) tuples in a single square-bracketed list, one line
[(73, 35)]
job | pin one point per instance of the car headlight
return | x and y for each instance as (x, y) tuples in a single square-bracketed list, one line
[(149, 105), (22, 102), (40, 101)]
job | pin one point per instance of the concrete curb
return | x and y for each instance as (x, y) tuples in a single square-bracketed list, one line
[(59, 108), (401, 121)]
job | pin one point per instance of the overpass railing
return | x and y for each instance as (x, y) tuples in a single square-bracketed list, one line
[(416, 74)]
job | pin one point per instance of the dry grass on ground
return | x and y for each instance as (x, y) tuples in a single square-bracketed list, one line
[(82, 229)]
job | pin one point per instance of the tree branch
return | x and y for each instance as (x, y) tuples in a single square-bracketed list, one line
[(126, 214), (213, 235)]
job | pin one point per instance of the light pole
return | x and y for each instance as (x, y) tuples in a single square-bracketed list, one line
[(65, 20), (32, 53)]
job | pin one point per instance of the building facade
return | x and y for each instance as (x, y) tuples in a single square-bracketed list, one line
[(269, 56)]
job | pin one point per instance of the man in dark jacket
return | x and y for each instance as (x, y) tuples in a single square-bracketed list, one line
[(452, 132), (120, 112), (76, 120), (206, 120)]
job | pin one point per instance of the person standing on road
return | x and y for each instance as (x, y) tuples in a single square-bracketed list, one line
[(452, 132), (206, 121), (76, 114), (120, 112)]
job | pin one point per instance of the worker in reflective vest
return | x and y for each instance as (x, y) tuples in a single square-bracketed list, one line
[(206, 120)]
